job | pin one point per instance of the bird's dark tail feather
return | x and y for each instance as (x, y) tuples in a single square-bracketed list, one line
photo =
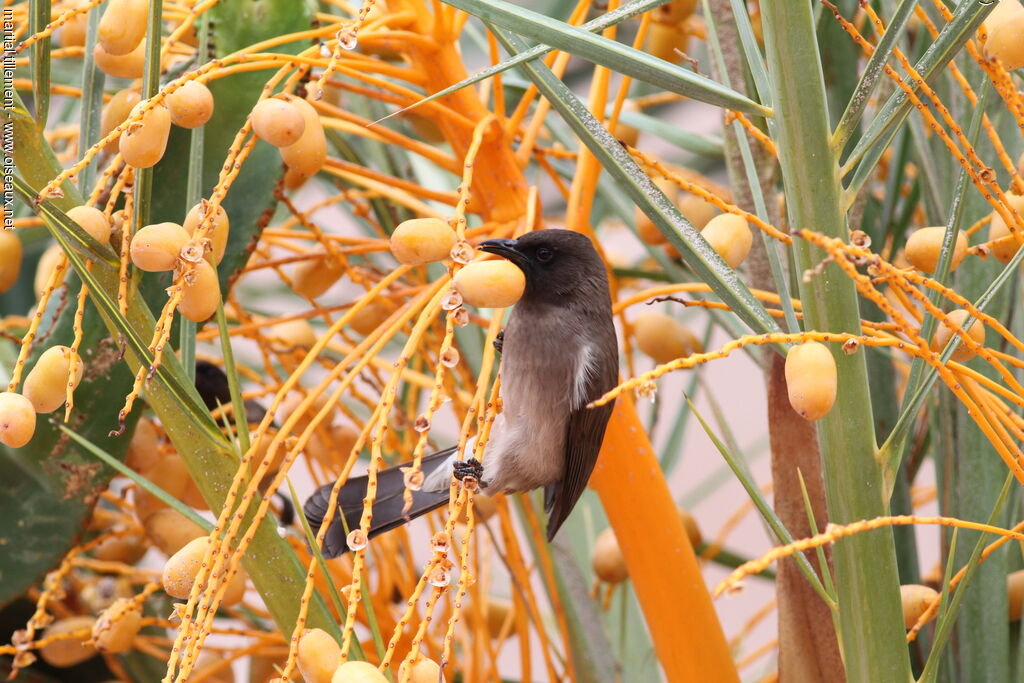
[(387, 506)]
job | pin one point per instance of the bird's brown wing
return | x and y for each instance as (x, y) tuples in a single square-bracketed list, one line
[(584, 434)]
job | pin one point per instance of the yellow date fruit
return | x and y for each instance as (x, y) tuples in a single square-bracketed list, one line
[(10, 259), (696, 210), (730, 236), (72, 33), (314, 277), (291, 335), (130, 65), (143, 449), (664, 338), (997, 229), (278, 122), (182, 567), (174, 478), (170, 531), (915, 599), (123, 25), (202, 293), (490, 284), (607, 560), (145, 141), (925, 245), (93, 221), (946, 330), (499, 612), (65, 652), (306, 156), (358, 672), (811, 379), (422, 670), (645, 227), (1015, 593), (17, 419), (372, 315), (156, 248), (422, 240), (115, 112), (127, 549), (318, 656), (47, 383), (217, 233), (191, 105), (116, 628), (45, 267), (1005, 27)]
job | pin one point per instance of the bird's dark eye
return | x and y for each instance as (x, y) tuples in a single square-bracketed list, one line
[(544, 254)]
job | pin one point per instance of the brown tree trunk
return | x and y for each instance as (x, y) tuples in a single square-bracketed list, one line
[(808, 649)]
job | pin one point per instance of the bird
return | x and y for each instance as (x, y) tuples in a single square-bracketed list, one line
[(213, 388), (559, 352), (215, 391)]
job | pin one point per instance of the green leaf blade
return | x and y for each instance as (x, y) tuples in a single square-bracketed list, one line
[(624, 60), (708, 265)]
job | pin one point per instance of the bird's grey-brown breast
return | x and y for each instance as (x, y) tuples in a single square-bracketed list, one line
[(542, 365)]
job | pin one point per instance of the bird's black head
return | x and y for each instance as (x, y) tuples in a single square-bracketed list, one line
[(555, 262)]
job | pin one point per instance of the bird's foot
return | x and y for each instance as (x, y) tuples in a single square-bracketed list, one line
[(499, 341), (469, 470)]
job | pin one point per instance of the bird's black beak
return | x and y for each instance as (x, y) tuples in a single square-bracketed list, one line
[(507, 249)]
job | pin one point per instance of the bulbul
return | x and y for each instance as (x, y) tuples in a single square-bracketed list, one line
[(558, 353), (213, 388)]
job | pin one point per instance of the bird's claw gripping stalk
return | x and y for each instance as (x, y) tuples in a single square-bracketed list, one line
[(469, 469)]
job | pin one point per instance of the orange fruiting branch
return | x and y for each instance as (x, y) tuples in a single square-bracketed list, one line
[(666, 576)]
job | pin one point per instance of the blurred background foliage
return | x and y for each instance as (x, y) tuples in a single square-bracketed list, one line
[(755, 176)]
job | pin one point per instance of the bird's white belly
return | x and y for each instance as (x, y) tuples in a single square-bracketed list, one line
[(521, 457), (526, 447)]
